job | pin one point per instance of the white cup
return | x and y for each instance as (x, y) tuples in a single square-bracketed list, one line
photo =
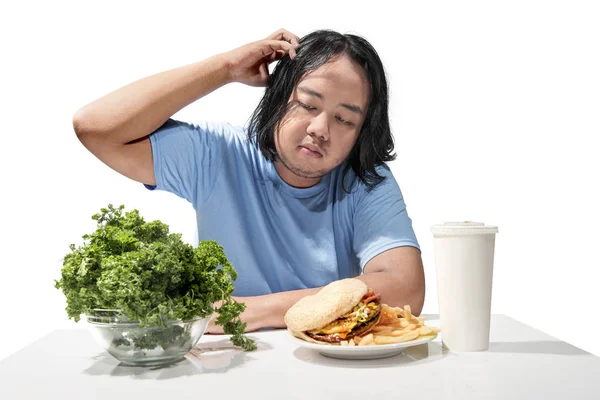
[(464, 260)]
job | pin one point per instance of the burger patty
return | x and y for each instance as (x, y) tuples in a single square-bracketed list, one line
[(357, 329)]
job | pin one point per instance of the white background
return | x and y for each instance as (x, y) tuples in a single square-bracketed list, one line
[(494, 108)]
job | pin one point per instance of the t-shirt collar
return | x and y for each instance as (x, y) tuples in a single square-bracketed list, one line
[(294, 191)]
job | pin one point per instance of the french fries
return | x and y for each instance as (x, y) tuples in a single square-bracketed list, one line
[(404, 337), (367, 340), (396, 325)]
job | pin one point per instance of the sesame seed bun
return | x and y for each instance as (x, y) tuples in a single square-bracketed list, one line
[(331, 302)]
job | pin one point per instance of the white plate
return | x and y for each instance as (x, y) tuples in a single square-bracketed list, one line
[(361, 352)]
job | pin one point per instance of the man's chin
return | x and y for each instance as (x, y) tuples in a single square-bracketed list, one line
[(307, 173), (302, 170)]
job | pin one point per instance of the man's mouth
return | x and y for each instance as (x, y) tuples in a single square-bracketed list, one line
[(311, 151)]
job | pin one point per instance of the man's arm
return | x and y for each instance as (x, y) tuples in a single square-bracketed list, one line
[(396, 274), (115, 127)]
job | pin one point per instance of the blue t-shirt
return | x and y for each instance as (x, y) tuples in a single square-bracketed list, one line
[(276, 236)]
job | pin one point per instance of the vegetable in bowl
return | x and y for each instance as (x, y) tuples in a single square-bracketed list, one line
[(150, 276)]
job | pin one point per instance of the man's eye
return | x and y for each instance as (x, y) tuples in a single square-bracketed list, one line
[(306, 106), (343, 121)]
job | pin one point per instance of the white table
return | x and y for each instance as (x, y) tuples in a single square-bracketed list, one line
[(522, 363)]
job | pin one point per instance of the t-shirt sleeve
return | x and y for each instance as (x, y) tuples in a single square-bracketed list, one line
[(381, 221), (188, 157)]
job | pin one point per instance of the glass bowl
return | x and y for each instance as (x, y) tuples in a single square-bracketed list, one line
[(150, 346)]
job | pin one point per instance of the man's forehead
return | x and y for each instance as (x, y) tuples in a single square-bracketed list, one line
[(347, 91)]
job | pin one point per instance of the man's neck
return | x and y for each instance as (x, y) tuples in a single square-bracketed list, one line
[(293, 179)]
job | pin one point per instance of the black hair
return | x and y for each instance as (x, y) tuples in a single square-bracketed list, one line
[(375, 143)]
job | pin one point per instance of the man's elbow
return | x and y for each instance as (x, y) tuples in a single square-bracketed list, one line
[(82, 124), (87, 123)]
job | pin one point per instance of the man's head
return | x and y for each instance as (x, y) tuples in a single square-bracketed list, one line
[(327, 105)]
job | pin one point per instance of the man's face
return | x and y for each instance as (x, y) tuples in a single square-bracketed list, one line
[(329, 106)]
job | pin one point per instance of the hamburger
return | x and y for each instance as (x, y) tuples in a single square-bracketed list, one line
[(339, 311)]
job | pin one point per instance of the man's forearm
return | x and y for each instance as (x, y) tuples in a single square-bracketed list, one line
[(267, 311), (139, 108)]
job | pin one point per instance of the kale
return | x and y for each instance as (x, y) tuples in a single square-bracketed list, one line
[(150, 276)]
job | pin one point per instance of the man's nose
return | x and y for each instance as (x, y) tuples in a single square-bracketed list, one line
[(319, 127)]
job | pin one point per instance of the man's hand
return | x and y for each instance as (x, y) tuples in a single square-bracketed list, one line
[(254, 316), (249, 64)]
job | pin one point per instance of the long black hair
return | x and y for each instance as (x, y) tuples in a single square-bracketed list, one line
[(375, 143)]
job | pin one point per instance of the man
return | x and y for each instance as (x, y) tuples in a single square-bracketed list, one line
[(300, 198)]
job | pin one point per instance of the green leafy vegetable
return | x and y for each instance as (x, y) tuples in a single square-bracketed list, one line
[(150, 275)]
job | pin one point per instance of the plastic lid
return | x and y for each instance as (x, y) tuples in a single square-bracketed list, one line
[(463, 228)]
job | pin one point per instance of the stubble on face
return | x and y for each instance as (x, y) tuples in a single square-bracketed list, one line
[(301, 171)]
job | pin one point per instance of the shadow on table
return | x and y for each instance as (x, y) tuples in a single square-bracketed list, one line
[(209, 357), (542, 347), (422, 354)]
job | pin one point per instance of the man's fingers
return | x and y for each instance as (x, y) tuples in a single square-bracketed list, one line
[(282, 34), (289, 37), (277, 55), (272, 46), (264, 71)]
